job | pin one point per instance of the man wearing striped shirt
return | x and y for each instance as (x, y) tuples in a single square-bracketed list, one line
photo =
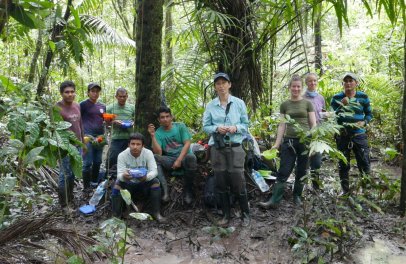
[(353, 112)]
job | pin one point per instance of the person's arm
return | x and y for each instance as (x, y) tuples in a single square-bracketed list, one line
[(151, 165), (156, 146), (208, 125), (242, 125), (367, 111), (184, 132), (312, 119), (280, 133), (122, 170)]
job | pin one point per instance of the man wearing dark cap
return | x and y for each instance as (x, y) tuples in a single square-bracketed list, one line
[(92, 111), (353, 112)]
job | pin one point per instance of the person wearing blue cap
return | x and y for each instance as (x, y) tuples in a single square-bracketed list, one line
[(225, 119), (353, 111)]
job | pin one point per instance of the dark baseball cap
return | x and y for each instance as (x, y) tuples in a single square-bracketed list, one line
[(351, 75), (93, 85), (221, 75)]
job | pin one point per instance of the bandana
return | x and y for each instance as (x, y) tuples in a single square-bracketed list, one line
[(311, 94)]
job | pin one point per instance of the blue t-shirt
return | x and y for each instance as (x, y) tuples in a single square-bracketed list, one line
[(172, 141)]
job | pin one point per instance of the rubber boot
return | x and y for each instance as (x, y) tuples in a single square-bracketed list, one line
[(95, 175), (188, 187), (117, 205), (245, 211), (315, 180), (155, 196), (297, 192), (86, 180), (277, 194), (225, 207), (345, 183), (164, 187)]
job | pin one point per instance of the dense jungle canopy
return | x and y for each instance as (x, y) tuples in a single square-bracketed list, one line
[(168, 51)]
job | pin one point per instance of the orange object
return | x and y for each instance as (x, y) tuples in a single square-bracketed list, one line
[(109, 117), (100, 139)]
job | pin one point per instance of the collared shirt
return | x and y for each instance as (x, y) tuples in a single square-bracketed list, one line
[(215, 116), (92, 117), (126, 112)]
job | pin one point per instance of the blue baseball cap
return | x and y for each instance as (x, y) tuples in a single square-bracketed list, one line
[(221, 75)]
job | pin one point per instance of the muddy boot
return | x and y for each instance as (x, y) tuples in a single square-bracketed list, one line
[(345, 183), (155, 199), (297, 193), (188, 187), (164, 187), (315, 180), (245, 211), (277, 194), (117, 205), (95, 173), (86, 180), (225, 207)]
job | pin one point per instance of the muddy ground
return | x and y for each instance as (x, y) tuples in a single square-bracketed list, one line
[(186, 238)]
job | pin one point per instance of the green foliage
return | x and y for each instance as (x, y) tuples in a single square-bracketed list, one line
[(216, 233), (38, 136)]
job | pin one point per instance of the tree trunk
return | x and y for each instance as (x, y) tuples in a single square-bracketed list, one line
[(317, 47), (55, 36), (168, 46), (403, 180), (4, 13), (33, 64), (148, 62)]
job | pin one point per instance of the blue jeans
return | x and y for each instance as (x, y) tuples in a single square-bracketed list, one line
[(92, 161), (65, 171)]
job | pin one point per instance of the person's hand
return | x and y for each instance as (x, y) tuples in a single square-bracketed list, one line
[(275, 146), (177, 164), (232, 129), (117, 122), (143, 178), (126, 175), (222, 130), (361, 123), (151, 130), (345, 100)]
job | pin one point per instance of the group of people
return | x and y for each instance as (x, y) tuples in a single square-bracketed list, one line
[(141, 169)]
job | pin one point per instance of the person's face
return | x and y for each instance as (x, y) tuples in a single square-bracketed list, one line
[(135, 146), (311, 83), (165, 119), (349, 84), (68, 95), (296, 88), (121, 98), (222, 86), (94, 94)]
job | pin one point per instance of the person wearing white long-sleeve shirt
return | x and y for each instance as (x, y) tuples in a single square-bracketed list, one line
[(148, 185)]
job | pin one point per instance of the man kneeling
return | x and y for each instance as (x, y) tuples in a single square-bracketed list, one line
[(136, 172)]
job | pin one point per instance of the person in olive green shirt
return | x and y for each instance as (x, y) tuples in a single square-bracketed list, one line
[(122, 125), (292, 150)]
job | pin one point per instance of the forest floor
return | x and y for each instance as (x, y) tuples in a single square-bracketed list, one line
[(190, 236)]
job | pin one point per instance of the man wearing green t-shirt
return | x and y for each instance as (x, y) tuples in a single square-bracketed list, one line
[(122, 125), (171, 146)]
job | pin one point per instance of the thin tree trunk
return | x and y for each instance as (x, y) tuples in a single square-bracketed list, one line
[(317, 47), (271, 73), (33, 64), (148, 62), (4, 9), (168, 46), (403, 180), (56, 32)]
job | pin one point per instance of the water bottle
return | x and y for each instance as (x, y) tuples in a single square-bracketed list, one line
[(98, 194), (259, 180)]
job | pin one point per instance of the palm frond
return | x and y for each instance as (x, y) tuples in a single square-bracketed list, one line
[(99, 32)]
